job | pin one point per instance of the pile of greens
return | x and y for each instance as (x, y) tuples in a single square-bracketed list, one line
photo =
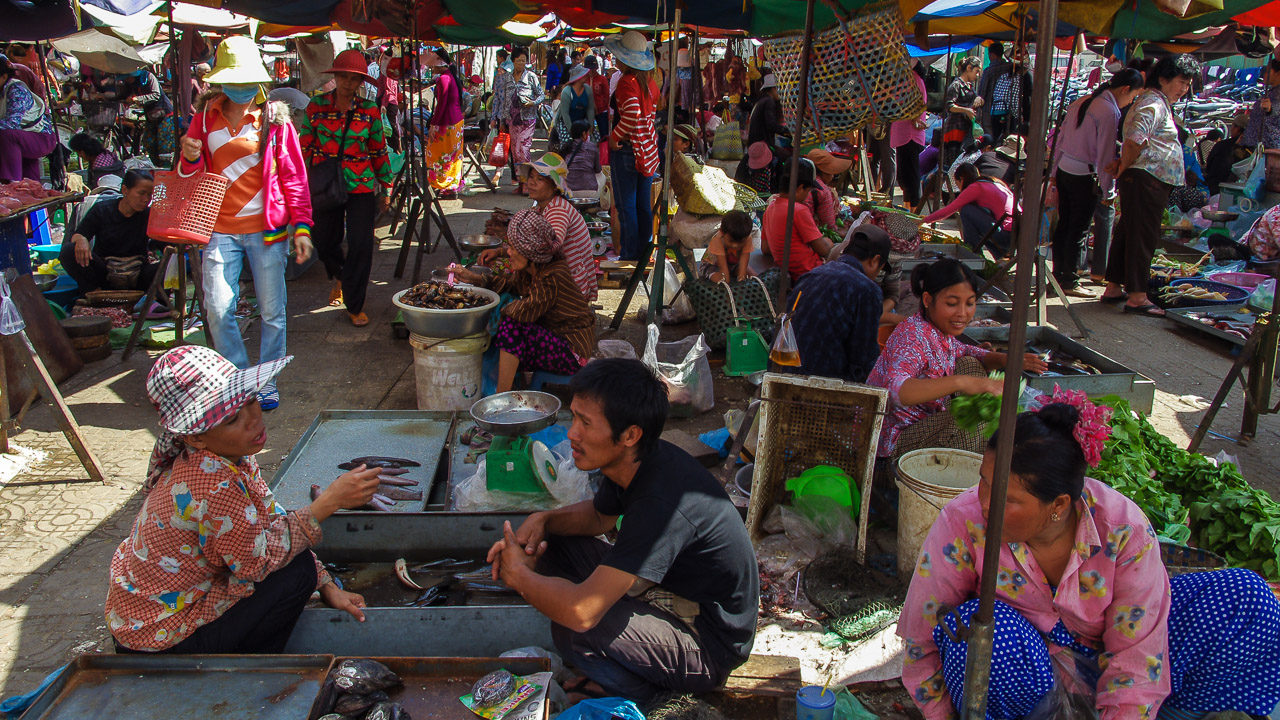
[(1187, 497), (974, 411)]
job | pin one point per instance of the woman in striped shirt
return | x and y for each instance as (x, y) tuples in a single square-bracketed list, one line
[(549, 327), (633, 144), (236, 133)]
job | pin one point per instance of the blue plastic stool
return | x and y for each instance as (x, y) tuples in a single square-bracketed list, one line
[(40, 227), (542, 377)]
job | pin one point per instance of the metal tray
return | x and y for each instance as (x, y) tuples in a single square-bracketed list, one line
[(448, 631), (1116, 379), (1182, 316), (432, 685), (235, 687), (959, 252), (336, 436)]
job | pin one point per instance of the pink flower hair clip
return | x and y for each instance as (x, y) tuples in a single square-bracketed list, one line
[(1094, 426)]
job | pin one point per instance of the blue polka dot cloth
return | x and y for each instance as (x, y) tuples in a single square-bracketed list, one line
[(1224, 639)]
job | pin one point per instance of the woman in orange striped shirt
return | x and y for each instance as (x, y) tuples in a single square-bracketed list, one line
[(236, 133)]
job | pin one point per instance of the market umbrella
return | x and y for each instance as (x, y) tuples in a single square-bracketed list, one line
[(101, 50)]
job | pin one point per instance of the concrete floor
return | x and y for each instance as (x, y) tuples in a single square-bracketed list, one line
[(57, 533)]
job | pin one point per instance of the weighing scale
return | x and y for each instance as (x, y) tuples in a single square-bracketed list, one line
[(1218, 220), (514, 462)]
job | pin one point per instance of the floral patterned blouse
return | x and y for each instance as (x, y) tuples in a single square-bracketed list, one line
[(1263, 238), (206, 533), (915, 350), (1113, 597), (1150, 121)]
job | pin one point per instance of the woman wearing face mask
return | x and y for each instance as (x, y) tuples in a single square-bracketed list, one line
[(1085, 150), (340, 124), (236, 133), (1084, 605), (525, 95), (924, 363)]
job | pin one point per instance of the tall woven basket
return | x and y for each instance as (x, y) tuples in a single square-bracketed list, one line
[(859, 73), (184, 208)]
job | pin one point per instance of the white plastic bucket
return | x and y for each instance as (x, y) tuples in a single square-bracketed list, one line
[(927, 480), (448, 371)]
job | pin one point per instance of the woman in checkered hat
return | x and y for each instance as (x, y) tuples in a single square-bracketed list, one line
[(549, 327), (213, 564)]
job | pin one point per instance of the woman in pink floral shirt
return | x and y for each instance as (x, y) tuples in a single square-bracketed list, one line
[(1084, 605), (214, 565), (924, 363)]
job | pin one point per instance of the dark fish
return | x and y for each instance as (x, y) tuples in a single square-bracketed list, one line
[(444, 565), (328, 695), (315, 492), (395, 471), (387, 711), (353, 704), (398, 481), (362, 676), (379, 462), (481, 575), (429, 597), (493, 688), (487, 587), (399, 493)]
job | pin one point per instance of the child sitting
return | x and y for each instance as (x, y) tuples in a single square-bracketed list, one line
[(730, 248), (582, 157)]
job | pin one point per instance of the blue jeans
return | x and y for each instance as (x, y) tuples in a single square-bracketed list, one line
[(633, 201), (224, 257)]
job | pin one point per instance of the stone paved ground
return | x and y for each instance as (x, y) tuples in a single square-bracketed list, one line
[(57, 534)]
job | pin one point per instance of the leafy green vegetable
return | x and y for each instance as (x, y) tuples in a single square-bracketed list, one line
[(983, 410), (1187, 497)]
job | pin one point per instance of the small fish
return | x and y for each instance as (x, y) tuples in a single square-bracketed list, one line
[(429, 597), (395, 471), (444, 565), (383, 499), (377, 504), (379, 461), (487, 587), (402, 573), (479, 575), (398, 493), (398, 481)]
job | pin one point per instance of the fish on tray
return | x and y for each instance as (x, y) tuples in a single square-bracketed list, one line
[(396, 492), (394, 463), (379, 502), (386, 479), (444, 565)]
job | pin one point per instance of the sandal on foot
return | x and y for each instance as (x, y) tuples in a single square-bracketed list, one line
[(335, 296), (359, 319), (1150, 310)]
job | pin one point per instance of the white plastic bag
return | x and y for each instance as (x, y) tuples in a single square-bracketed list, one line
[(684, 367), (571, 486), (11, 322), (171, 273), (675, 309), (609, 348), (1255, 186), (1263, 296)]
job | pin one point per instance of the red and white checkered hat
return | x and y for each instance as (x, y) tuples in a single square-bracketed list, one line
[(195, 390)]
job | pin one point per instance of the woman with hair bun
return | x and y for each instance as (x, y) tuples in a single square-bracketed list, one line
[(924, 363), (1084, 607)]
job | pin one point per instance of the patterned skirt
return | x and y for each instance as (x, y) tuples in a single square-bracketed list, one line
[(443, 155)]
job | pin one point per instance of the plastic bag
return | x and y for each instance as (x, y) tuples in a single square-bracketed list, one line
[(684, 367), (571, 486), (785, 350), (609, 348), (1263, 296), (819, 518), (498, 154), (849, 707), (558, 671), (675, 308), (11, 322), (1255, 186), (171, 273), (1075, 688), (603, 709)]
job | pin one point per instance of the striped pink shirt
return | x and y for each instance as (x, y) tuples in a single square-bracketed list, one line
[(575, 243), (635, 122)]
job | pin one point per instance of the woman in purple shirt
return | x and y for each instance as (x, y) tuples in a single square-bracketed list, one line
[(1086, 146)]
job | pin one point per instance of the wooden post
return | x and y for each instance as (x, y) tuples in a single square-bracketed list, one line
[(982, 625), (664, 221), (802, 110)]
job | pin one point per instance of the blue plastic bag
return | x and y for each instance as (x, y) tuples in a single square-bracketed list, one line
[(1255, 186), (603, 709)]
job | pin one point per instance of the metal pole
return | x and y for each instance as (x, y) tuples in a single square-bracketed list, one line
[(982, 625), (802, 109), (664, 228)]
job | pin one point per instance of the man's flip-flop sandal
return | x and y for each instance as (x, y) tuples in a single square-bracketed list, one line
[(1149, 310), (1115, 299), (581, 687)]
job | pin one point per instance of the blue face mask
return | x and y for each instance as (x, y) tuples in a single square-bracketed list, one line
[(241, 94)]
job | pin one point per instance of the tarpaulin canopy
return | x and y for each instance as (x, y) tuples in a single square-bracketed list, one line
[(101, 50), (1267, 15), (137, 29), (1112, 18), (43, 20)]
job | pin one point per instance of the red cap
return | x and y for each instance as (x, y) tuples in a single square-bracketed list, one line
[(351, 61)]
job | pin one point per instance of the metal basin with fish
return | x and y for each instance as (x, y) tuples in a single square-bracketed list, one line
[(519, 412), (585, 203), (479, 243), (432, 323)]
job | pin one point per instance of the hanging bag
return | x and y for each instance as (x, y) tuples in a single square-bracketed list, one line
[(747, 303), (184, 208), (498, 154), (325, 178), (727, 142)]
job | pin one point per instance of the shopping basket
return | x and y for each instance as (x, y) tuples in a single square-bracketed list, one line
[(184, 208)]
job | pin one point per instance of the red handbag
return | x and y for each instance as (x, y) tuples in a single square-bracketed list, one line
[(498, 154)]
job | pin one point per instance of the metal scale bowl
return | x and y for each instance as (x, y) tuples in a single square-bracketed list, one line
[(476, 244), (514, 462)]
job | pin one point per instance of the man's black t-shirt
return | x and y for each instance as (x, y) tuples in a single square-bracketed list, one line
[(680, 530), (113, 234)]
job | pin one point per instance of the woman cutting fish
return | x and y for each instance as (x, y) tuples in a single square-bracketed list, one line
[(924, 363), (213, 564), (549, 327)]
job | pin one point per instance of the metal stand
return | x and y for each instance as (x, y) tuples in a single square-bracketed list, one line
[(182, 254), (472, 160), (1259, 354)]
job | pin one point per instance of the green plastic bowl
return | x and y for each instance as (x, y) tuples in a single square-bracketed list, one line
[(827, 481)]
